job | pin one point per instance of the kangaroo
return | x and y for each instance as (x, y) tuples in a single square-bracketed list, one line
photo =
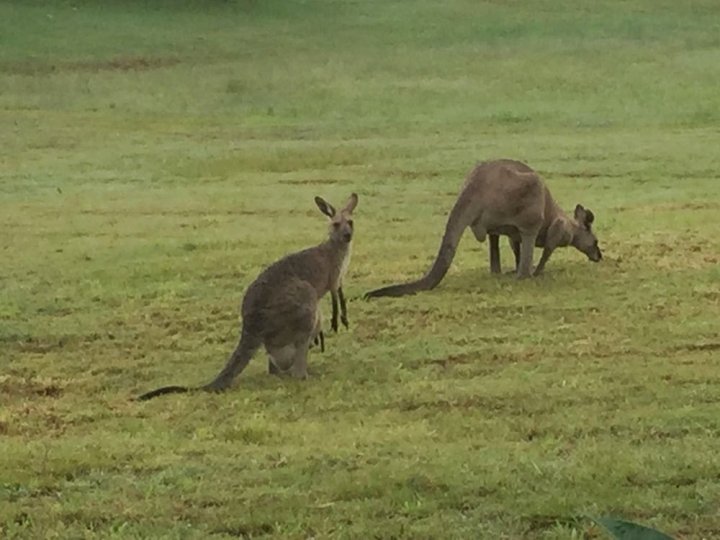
[(280, 308), (506, 197)]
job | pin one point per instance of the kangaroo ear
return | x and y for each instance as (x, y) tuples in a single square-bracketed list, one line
[(589, 217), (584, 215), (325, 207), (351, 203)]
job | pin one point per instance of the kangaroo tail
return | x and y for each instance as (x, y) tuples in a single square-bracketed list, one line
[(237, 362), (460, 217), (163, 390)]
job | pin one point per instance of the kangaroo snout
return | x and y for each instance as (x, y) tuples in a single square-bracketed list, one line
[(347, 236)]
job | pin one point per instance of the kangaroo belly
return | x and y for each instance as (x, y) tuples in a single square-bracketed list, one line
[(344, 266), (505, 230), (480, 229), (282, 357)]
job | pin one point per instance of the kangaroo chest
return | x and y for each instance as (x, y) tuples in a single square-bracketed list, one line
[(342, 268)]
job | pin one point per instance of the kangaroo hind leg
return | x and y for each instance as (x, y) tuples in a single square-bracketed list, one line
[(479, 230), (527, 245), (291, 359), (495, 267), (318, 337), (299, 367), (480, 233), (295, 323), (280, 359), (515, 246), (302, 347)]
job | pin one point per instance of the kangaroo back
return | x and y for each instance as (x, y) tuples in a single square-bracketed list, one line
[(461, 215)]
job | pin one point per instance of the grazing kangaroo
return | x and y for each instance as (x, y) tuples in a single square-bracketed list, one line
[(506, 197), (280, 308)]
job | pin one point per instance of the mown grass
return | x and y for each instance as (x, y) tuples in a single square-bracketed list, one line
[(154, 158)]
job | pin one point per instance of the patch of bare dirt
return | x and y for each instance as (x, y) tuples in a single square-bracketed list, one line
[(246, 531), (472, 402), (310, 182), (713, 346), (120, 63), (42, 346), (18, 387), (455, 359), (583, 174), (410, 175), (540, 522), (32, 418), (491, 361), (670, 207)]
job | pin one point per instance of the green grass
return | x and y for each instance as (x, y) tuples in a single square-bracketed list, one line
[(154, 157)]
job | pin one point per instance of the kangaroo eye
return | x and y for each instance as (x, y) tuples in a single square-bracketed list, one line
[(350, 222), (336, 225)]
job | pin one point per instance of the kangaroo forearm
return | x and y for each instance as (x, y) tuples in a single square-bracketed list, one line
[(557, 236), (543, 260), (343, 308), (334, 319)]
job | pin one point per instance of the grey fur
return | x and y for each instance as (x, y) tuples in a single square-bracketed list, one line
[(506, 197), (280, 309)]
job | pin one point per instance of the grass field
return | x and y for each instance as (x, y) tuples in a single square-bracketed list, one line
[(155, 156)]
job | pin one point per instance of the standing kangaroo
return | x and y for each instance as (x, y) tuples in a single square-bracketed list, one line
[(280, 308), (506, 197)]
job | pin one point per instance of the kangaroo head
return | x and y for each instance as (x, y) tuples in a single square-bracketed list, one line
[(341, 223), (583, 238)]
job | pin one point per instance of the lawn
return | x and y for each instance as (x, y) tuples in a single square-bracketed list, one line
[(155, 156)]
